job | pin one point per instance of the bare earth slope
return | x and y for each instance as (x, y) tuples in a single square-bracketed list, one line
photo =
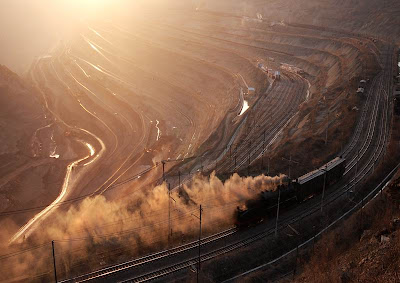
[(378, 18), (376, 255), (22, 122), (167, 84)]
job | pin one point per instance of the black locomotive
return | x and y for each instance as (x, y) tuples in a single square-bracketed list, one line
[(290, 193)]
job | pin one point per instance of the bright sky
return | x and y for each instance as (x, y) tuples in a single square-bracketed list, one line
[(29, 28)]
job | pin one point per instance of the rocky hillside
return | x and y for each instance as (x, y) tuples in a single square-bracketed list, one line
[(376, 254), (21, 114)]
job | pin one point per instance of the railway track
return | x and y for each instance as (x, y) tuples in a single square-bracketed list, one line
[(271, 120), (175, 251), (351, 150), (281, 113), (150, 258), (261, 146), (366, 142), (378, 149), (242, 243), (355, 138), (239, 244), (380, 89)]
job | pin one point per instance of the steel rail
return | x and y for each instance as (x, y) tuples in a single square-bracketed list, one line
[(149, 258), (332, 197)]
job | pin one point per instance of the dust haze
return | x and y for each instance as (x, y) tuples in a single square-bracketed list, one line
[(135, 224)]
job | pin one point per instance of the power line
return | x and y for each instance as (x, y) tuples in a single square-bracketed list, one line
[(124, 232), (180, 215), (80, 198), (5, 256)]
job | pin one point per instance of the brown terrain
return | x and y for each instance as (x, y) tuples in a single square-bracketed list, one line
[(372, 252), (28, 137), (85, 133)]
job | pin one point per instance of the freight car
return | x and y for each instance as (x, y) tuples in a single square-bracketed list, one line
[(312, 183), (290, 193)]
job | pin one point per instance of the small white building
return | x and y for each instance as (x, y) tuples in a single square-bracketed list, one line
[(251, 90)]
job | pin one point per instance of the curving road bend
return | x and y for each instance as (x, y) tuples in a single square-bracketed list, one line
[(69, 179), (29, 227)]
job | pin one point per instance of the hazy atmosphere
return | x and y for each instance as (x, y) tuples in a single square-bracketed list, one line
[(199, 141)]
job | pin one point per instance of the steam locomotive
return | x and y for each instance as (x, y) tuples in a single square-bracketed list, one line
[(291, 192)]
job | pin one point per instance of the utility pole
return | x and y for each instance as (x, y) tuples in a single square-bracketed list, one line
[(313, 245), (326, 132), (327, 127), (323, 188), (355, 177), (290, 163), (169, 216), (248, 166), (54, 262), (163, 162), (362, 207), (264, 140), (163, 170), (277, 212), (198, 270), (262, 161), (262, 158), (235, 159), (295, 262), (179, 178), (199, 255)]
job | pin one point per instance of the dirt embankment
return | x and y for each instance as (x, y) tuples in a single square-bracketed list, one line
[(367, 245), (373, 252)]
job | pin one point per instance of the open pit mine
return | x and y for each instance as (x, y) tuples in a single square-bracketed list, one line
[(182, 141)]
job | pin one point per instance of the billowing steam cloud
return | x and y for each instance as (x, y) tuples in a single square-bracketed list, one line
[(97, 231)]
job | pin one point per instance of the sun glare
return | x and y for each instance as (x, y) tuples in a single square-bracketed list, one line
[(88, 7)]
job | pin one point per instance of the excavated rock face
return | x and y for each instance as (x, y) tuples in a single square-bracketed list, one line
[(21, 113), (369, 16)]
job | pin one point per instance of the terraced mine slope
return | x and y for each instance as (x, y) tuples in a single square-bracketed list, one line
[(133, 123)]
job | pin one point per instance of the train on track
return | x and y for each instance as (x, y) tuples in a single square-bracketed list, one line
[(291, 192)]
